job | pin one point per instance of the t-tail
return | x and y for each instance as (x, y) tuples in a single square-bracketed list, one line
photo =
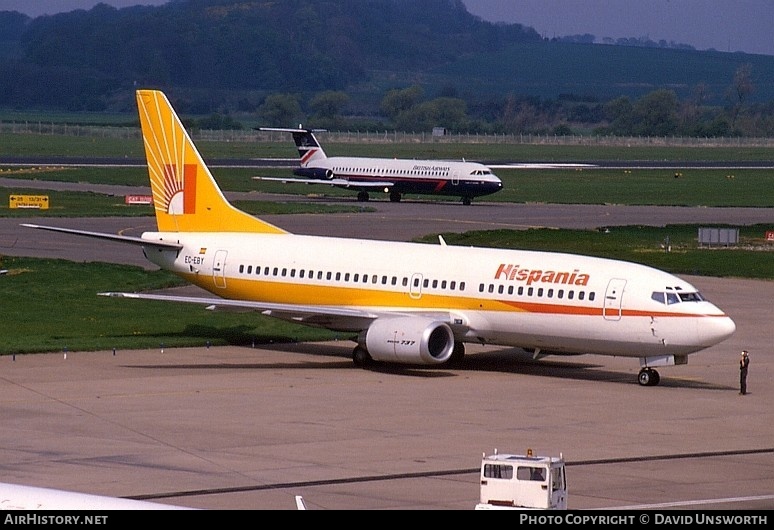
[(309, 149), (186, 197)]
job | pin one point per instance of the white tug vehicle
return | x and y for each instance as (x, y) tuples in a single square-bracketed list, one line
[(522, 482)]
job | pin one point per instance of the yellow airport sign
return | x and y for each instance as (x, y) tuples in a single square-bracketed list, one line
[(28, 201)]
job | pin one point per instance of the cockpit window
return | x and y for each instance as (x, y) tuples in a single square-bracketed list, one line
[(691, 297), (669, 297)]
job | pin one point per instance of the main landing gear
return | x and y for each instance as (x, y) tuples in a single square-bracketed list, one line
[(361, 357), (648, 377), (362, 196), (457, 355)]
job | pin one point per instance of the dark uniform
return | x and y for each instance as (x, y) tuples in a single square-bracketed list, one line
[(744, 362)]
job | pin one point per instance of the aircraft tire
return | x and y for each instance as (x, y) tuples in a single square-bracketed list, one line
[(362, 196), (457, 355), (361, 357), (648, 377), (395, 196), (466, 201)]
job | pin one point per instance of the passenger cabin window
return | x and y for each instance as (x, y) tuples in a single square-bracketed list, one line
[(361, 277)]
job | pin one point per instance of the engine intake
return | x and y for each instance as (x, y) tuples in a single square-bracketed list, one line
[(409, 340)]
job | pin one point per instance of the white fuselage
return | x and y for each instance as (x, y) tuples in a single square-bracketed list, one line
[(549, 302), (437, 177)]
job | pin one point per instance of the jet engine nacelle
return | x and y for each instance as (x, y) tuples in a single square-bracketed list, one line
[(314, 173), (410, 340)]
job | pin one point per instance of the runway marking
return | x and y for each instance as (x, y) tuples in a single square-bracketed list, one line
[(471, 471), (697, 502)]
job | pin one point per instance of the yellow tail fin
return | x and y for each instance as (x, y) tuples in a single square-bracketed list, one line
[(185, 196)]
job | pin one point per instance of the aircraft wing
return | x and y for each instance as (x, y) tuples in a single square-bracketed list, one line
[(341, 183), (330, 317), (343, 319), (539, 165)]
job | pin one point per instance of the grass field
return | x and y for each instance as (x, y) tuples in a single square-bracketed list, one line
[(691, 187), (52, 305), (127, 143)]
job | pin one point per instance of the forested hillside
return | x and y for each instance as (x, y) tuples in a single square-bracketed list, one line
[(371, 63), (81, 58)]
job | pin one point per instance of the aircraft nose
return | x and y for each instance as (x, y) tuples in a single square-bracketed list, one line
[(719, 329)]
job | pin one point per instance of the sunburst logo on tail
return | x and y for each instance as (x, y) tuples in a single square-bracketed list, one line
[(186, 197), (179, 190)]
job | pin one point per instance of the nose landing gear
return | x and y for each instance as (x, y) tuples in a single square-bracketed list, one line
[(648, 377)]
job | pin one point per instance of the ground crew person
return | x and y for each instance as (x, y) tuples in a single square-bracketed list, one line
[(744, 362)]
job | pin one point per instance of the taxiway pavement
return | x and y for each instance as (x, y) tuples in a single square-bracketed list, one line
[(250, 428)]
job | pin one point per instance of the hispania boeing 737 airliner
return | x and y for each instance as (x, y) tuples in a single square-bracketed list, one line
[(395, 176), (408, 303)]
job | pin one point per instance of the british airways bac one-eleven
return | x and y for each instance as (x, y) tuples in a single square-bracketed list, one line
[(393, 176)]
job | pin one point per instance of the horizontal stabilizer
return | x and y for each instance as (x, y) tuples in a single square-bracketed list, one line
[(288, 130), (110, 237)]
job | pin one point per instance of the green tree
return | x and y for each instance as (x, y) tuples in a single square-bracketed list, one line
[(439, 112), (280, 110), (740, 90), (327, 105), (397, 101), (326, 110), (655, 114), (619, 113), (219, 122), (521, 115)]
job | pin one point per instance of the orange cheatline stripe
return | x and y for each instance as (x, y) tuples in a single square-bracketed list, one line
[(352, 296)]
